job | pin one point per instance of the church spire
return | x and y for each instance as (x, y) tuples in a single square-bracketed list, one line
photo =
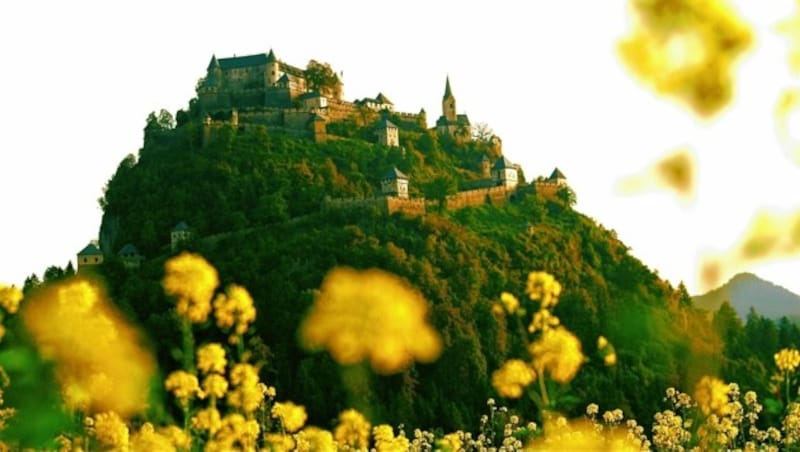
[(447, 91)]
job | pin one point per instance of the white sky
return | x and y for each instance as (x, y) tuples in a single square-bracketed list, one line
[(79, 79)]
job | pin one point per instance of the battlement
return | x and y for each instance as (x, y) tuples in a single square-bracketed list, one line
[(384, 204)]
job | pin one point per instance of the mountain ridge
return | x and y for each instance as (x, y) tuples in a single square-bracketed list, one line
[(747, 290)]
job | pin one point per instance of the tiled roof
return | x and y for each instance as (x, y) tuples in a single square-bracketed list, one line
[(90, 250)]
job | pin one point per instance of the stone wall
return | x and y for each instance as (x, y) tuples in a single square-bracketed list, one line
[(478, 197)]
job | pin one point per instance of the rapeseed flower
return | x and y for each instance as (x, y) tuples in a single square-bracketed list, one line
[(192, 281), (215, 386), (234, 310), (314, 439), (211, 358), (511, 379), (686, 49), (10, 297), (110, 431), (207, 419), (147, 439), (711, 395), (183, 385), (543, 286), (293, 417), (509, 302), (353, 429), (102, 365), (557, 352), (370, 315), (787, 360)]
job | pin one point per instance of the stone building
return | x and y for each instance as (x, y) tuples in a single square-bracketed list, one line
[(179, 234), (505, 173), (260, 80), (130, 257), (451, 123), (388, 133), (395, 183), (89, 256)]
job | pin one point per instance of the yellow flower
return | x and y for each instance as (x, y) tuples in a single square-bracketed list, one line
[(279, 442), (370, 315), (313, 439), (10, 297), (450, 441), (148, 439), (177, 436), (512, 378), (686, 49), (111, 431), (543, 286), (215, 385), (510, 302), (101, 366), (211, 358), (610, 359), (711, 395), (558, 352), (234, 308), (787, 359), (602, 342), (385, 441), (236, 430), (192, 280), (292, 416), (249, 392), (353, 429), (183, 385), (207, 419)]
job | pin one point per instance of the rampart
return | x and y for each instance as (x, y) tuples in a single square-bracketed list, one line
[(478, 197), (382, 204)]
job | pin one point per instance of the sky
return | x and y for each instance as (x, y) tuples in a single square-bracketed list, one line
[(80, 78)]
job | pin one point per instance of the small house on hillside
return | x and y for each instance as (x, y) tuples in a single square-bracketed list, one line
[(179, 234), (90, 255), (395, 183), (388, 133), (130, 257)]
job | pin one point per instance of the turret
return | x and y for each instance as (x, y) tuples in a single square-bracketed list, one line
[(448, 102), (395, 183), (273, 68)]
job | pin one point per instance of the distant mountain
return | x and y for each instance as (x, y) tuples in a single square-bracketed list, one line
[(746, 290)]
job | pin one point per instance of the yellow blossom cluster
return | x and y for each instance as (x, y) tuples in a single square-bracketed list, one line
[(791, 424), (101, 365), (558, 353), (686, 49), (669, 432), (543, 287), (111, 431), (314, 439), (370, 315), (293, 417), (234, 310), (711, 395), (511, 379), (248, 392), (509, 303), (192, 281), (10, 297), (385, 441), (353, 429), (183, 385), (211, 358), (787, 359)]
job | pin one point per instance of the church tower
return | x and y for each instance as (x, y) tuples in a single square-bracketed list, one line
[(449, 103)]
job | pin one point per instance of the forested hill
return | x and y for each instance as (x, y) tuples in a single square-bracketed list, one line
[(253, 199)]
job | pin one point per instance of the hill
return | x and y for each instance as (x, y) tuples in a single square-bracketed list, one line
[(253, 198), (746, 291)]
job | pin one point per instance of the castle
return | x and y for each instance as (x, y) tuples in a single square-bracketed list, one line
[(262, 90)]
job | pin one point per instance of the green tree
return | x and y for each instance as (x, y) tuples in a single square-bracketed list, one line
[(566, 195), (322, 78)]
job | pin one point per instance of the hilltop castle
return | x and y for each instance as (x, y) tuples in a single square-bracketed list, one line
[(260, 89)]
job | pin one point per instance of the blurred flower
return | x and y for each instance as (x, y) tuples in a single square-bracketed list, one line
[(353, 429), (787, 359), (293, 417), (370, 315), (110, 431), (543, 286), (509, 302), (558, 352), (101, 365), (510, 379), (207, 419), (234, 309), (192, 280), (313, 439), (211, 358), (711, 395), (215, 385), (686, 49), (183, 385), (10, 297), (148, 439)]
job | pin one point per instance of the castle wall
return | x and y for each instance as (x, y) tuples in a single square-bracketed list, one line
[(547, 190), (383, 204), (478, 197), (339, 109)]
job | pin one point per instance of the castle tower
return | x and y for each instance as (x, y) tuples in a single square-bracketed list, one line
[(387, 133), (395, 183), (90, 255), (505, 173), (557, 177), (273, 69), (449, 103)]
